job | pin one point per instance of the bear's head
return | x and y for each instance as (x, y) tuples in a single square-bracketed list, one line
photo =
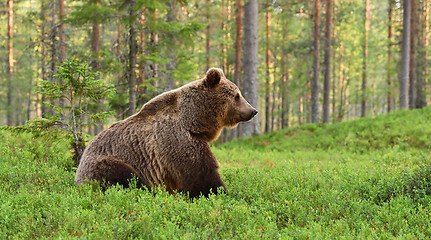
[(217, 102)]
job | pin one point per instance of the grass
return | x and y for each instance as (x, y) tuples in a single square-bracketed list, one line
[(368, 178)]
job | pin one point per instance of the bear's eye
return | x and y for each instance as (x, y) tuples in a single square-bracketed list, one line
[(237, 97)]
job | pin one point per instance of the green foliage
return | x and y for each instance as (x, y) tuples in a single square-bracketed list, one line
[(80, 89), (375, 184)]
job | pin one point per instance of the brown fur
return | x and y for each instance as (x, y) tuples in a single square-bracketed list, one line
[(166, 142)]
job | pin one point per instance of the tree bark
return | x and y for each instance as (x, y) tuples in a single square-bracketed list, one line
[(223, 43), (412, 68), (95, 62), (389, 64), (142, 52), (268, 62), (426, 46), (405, 56), (238, 43), (44, 109), (422, 33), (10, 63), (208, 35), (334, 77), (118, 51), (315, 80), (251, 77), (53, 36), (284, 85), (171, 16), (364, 101), (132, 62), (327, 80), (62, 32)]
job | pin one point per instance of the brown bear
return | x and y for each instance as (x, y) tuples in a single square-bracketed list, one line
[(166, 142)]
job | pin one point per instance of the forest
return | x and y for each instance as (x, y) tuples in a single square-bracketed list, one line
[(313, 61), (340, 148)]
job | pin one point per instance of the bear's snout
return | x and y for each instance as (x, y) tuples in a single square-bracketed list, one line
[(253, 113), (249, 115)]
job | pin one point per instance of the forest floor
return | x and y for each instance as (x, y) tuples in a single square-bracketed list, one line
[(367, 178)]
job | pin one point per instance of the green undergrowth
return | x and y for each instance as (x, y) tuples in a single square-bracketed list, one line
[(367, 178)]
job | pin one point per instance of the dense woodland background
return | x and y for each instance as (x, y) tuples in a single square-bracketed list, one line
[(318, 61)]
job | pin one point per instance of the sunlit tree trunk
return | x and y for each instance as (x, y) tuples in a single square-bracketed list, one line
[(132, 62), (334, 72), (141, 52), (427, 31), (95, 63), (44, 109), (10, 63), (53, 38), (251, 77), (238, 42), (405, 56), (208, 35), (315, 80), (171, 16), (118, 50), (364, 101), (62, 32), (390, 63), (284, 85), (154, 40), (238, 47), (223, 45), (412, 68), (420, 94), (267, 77), (327, 80)]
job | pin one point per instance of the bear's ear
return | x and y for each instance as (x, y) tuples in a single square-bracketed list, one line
[(213, 77)]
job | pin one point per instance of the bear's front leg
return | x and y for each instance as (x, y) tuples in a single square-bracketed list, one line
[(204, 183)]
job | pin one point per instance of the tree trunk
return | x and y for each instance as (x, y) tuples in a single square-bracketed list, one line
[(405, 56), (223, 43), (171, 16), (62, 32), (364, 102), (267, 77), (334, 75), (301, 109), (274, 94), (420, 96), (238, 41), (208, 35), (118, 51), (412, 69), (284, 84), (154, 40), (427, 30), (95, 63), (389, 64), (10, 63), (327, 80), (43, 64), (53, 36), (315, 80), (132, 62), (251, 77), (238, 46), (141, 63)]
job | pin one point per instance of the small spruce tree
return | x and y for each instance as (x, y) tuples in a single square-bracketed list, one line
[(79, 89)]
